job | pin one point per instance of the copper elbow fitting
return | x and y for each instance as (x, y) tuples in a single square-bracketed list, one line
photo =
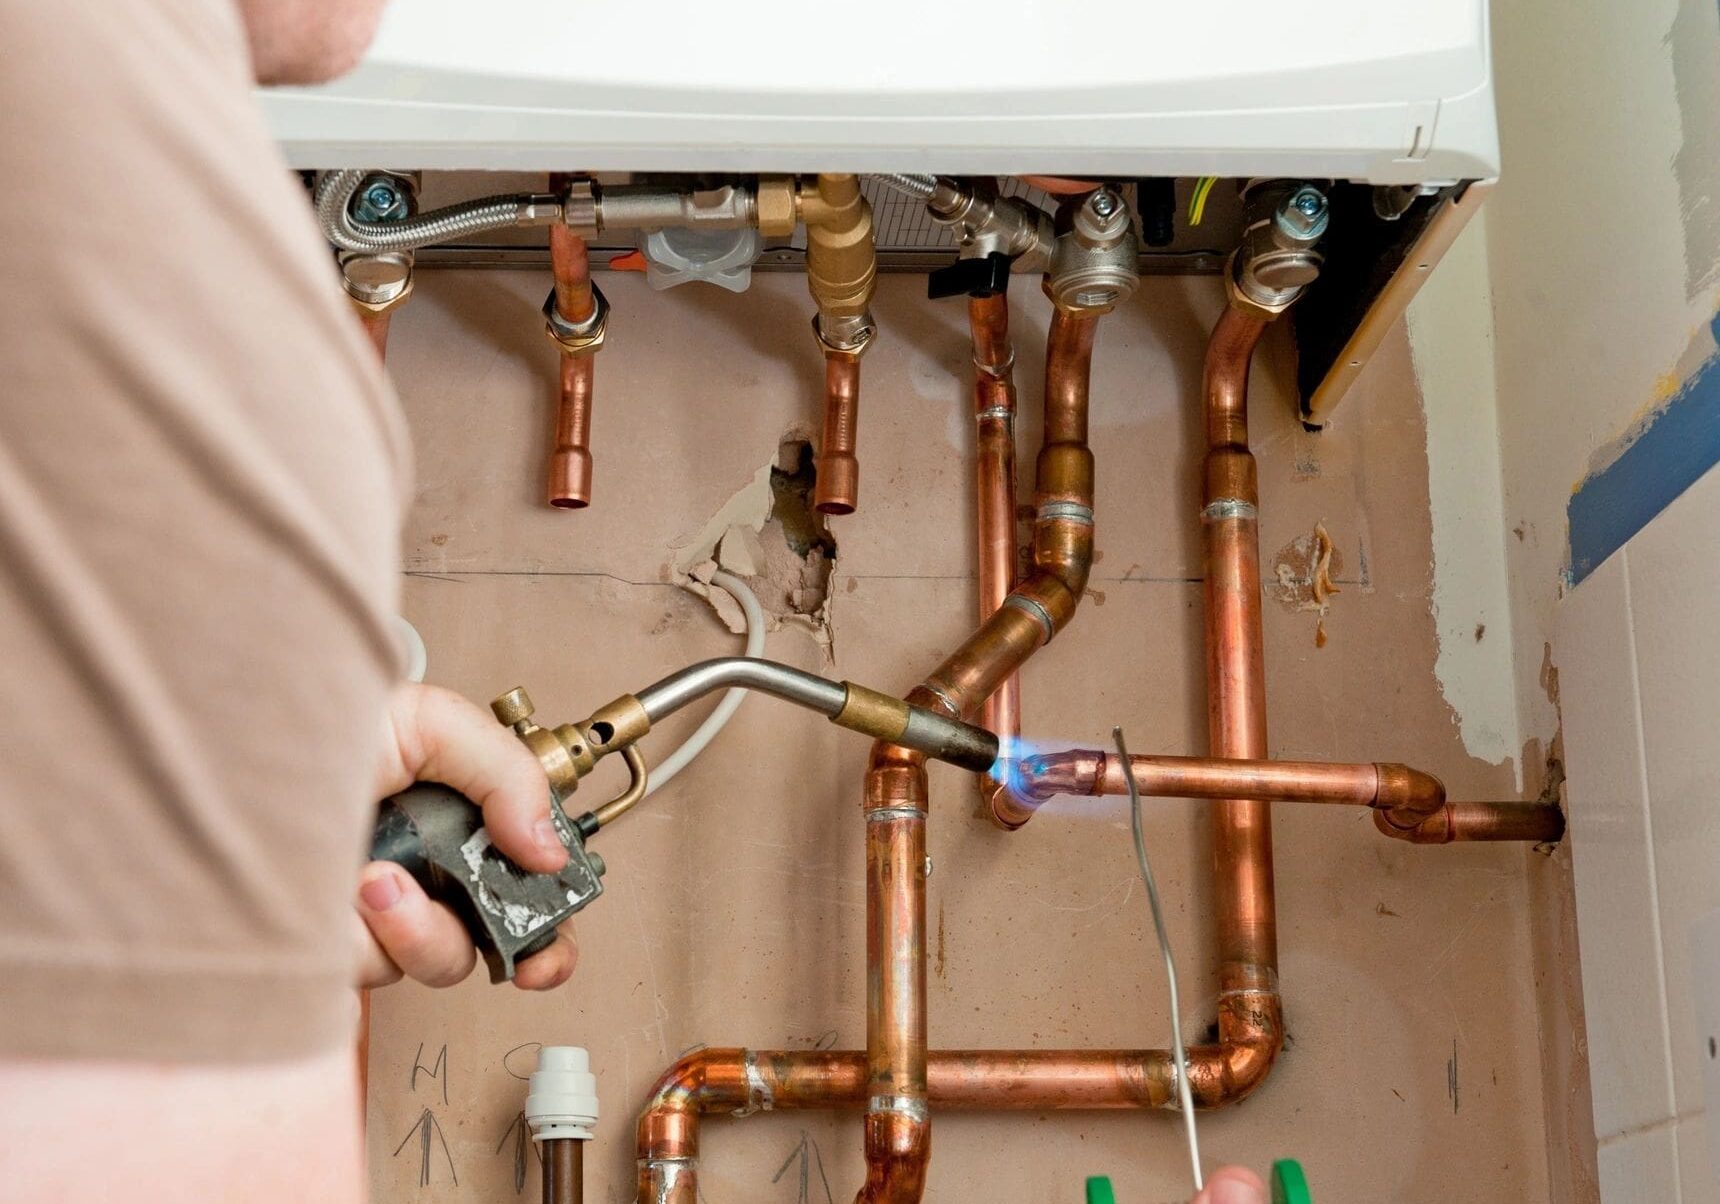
[(1220, 1075), (1007, 809), (1405, 797)]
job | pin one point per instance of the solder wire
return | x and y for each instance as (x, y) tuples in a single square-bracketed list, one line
[(1179, 1054)]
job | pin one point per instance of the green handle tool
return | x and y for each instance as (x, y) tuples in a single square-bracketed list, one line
[(1289, 1185)]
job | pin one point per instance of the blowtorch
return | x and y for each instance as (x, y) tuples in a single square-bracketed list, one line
[(437, 835)]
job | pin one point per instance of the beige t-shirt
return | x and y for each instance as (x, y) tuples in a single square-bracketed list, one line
[(201, 481)]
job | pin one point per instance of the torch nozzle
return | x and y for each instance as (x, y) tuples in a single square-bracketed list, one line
[(846, 704)]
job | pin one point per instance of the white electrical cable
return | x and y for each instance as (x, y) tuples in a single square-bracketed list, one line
[(417, 656), (1185, 1097), (707, 731)]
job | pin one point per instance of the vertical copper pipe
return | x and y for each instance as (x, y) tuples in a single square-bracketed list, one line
[(841, 274), (376, 327), (897, 1126), (1063, 520), (563, 1171), (836, 484), (1246, 920), (570, 462), (994, 478), (1043, 603)]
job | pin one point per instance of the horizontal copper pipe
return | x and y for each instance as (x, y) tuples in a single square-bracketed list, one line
[(994, 481), (742, 1081), (1537, 823), (1411, 804), (1408, 793), (836, 485), (570, 462)]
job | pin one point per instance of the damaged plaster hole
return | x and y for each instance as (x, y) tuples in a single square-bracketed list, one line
[(771, 534), (1303, 572), (799, 550)]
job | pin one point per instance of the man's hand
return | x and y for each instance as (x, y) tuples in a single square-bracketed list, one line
[(435, 735), (1232, 1185)]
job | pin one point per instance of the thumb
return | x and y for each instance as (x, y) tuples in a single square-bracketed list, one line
[(1233, 1185)]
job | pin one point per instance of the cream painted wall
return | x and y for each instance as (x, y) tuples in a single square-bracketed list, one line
[(1589, 268), (1575, 308), (1595, 259)]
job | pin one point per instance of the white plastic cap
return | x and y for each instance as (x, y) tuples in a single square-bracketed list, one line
[(561, 1099)]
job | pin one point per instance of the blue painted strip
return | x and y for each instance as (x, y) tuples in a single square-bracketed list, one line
[(1680, 444)]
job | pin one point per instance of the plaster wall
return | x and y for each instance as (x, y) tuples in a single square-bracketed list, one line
[(733, 912)]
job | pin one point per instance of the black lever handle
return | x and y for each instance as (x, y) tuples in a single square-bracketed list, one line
[(976, 276)]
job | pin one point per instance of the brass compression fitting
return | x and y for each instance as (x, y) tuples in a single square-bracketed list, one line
[(570, 752)]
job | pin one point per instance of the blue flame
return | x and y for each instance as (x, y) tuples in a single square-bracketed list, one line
[(1013, 752)]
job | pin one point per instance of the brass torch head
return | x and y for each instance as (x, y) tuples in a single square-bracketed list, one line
[(565, 752)]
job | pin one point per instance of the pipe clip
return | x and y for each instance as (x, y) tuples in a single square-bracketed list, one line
[(1229, 507)]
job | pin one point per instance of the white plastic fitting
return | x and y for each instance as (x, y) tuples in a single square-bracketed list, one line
[(561, 1098)]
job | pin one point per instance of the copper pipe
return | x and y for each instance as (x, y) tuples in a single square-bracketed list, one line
[(994, 473), (376, 329), (1410, 804), (570, 462), (1059, 185), (563, 1171), (1250, 1027), (841, 274), (742, 1081), (1042, 604), (897, 1127), (1409, 795), (836, 484), (1063, 526), (1538, 823)]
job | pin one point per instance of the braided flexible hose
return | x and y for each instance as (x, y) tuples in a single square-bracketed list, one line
[(334, 193), (920, 188)]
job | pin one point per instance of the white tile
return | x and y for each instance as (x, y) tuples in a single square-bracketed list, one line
[(1673, 578), (1617, 927), (1641, 1168), (1697, 1182)]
